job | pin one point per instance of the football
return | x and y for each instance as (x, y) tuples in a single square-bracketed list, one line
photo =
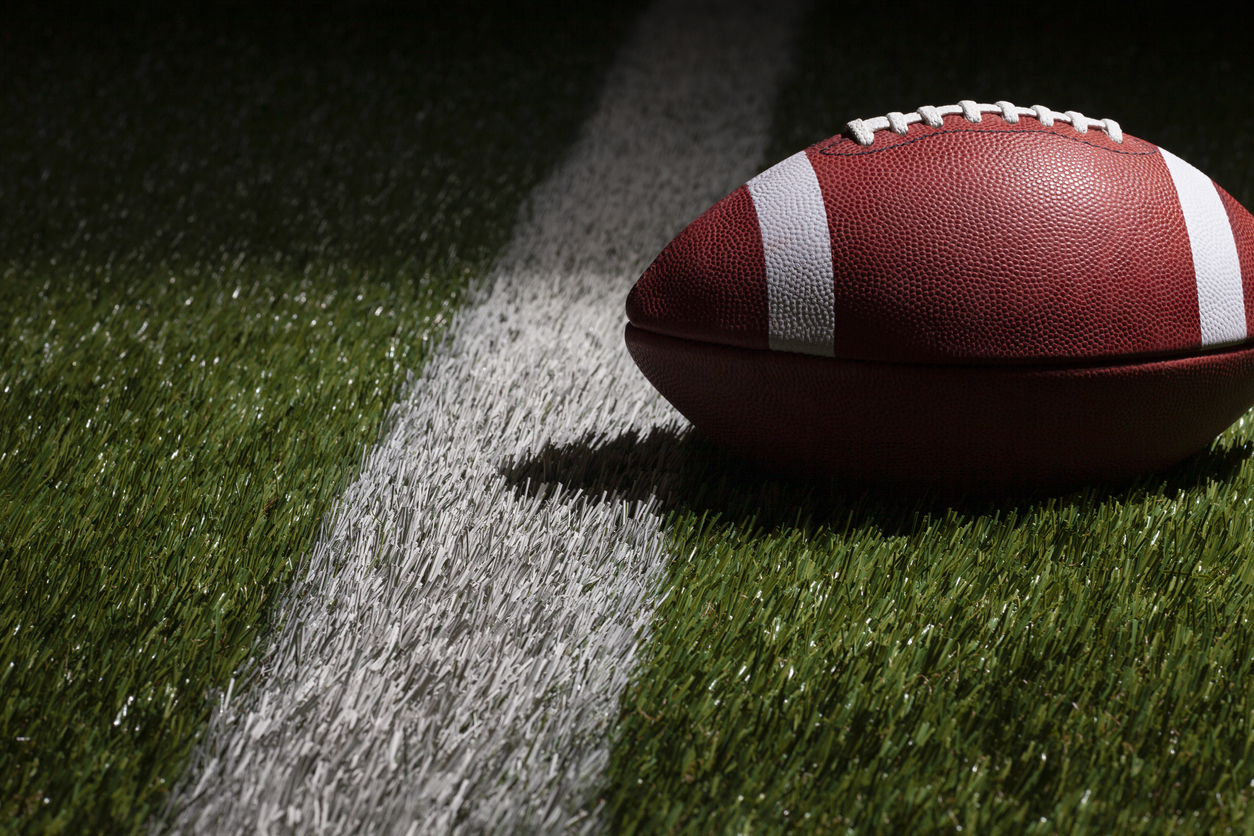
[(975, 295)]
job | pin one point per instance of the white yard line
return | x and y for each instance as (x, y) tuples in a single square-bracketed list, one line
[(454, 660)]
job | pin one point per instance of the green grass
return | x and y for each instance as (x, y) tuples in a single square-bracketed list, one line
[(222, 249), (910, 665), (833, 660)]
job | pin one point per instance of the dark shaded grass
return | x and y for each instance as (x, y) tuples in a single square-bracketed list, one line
[(832, 659), (222, 247), (1179, 80)]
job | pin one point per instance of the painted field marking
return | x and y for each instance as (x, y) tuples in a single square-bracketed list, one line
[(453, 662)]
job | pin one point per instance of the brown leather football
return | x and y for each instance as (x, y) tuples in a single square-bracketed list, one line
[(971, 295)]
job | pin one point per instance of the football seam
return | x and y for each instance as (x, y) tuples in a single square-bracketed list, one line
[(827, 152), (1044, 364)]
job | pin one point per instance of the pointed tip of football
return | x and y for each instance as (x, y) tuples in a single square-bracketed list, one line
[(709, 284)]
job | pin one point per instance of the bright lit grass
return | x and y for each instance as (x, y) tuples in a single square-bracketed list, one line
[(1082, 660), (221, 253), (834, 661), (165, 461)]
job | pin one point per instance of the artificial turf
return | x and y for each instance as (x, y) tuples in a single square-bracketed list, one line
[(1085, 666), (1064, 664), (222, 249), (830, 659)]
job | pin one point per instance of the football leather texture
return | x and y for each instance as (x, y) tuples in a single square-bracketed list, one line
[(973, 295)]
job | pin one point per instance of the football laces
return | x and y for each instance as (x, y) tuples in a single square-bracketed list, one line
[(863, 130)]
